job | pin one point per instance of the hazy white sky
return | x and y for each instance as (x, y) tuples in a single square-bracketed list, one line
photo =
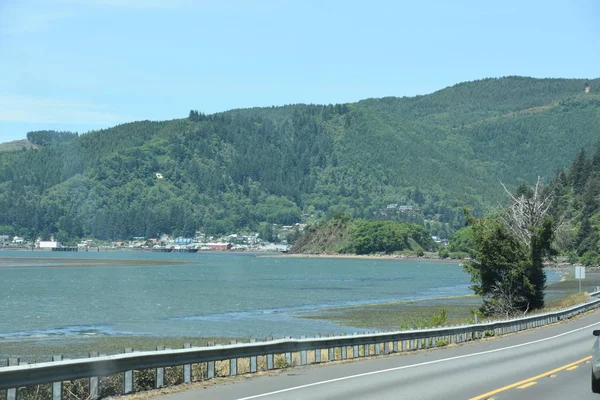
[(89, 64)]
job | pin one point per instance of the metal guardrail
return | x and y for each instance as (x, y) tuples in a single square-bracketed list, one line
[(15, 376)]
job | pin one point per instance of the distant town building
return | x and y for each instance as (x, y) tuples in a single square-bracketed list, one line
[(4, 238), (48, 244), (587, 88), (18, 239), (219, 246)]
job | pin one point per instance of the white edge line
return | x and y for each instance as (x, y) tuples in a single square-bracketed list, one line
[(413, 365)]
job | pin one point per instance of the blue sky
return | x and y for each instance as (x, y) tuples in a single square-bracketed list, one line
[(88, 64)]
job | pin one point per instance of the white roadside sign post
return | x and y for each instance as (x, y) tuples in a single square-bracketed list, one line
[(579, 275)]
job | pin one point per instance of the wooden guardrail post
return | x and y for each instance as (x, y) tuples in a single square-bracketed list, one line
[(57, 386), (128, 377), (94, 380), (12, 393)]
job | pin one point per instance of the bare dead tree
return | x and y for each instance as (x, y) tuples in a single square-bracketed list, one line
[(527, 213), (504, 298)]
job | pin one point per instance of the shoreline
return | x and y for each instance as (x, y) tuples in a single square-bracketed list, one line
[(374, 316), (401, 257), (391, 257), (382, 317)]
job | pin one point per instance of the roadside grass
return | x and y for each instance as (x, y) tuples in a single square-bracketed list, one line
[(403, 315), (565, 302)]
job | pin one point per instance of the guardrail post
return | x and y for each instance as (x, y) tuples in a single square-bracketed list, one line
[(253, 366), (210, 365), (187, 368), (331, 352), (128, 377), (303, 355), (317, 352), (377, 348), (233, 362), (355, 353), (344, 352), (288, 355), (12, 394), (94, 380), (160, 372), (57, 386), (270, 357)]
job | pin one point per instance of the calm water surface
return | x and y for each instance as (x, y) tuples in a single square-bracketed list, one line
[(232, 295)]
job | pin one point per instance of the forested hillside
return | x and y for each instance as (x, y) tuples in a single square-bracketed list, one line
[(413, 159), (576, 207)]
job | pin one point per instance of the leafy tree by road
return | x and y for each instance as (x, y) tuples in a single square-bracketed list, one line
[(508, 270)]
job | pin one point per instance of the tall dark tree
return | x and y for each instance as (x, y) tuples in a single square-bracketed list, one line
[(579, 172)]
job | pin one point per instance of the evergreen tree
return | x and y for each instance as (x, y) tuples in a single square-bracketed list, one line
[(579, 172)]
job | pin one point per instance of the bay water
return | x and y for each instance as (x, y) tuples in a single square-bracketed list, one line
[(49, 294)]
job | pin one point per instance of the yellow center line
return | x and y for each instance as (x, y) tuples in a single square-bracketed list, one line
[(572, 368), (526, 385), (533, 378)]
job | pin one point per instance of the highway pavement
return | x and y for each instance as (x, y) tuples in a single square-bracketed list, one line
[(544, 363)]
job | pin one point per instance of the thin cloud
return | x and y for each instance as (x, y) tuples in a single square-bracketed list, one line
[(15, 108), (135, 4), (21, 19)]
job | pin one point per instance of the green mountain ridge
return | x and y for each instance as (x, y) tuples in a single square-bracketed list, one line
[(241, 169)]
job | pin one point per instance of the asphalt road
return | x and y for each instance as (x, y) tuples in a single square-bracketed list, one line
[(545, 363)]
